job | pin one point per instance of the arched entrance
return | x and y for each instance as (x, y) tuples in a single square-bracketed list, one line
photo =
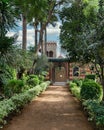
[(60, 74), (59, 70)]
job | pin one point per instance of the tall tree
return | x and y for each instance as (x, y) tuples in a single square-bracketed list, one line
[(97, 46), (82, 33), (46, 15), (49, 18), (26, 13), (23, 11)]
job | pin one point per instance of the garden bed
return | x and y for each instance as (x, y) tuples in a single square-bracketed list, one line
[(94, 106), (8, 107)]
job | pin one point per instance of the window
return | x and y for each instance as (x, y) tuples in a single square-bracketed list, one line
[(51, 54), (76, 71)]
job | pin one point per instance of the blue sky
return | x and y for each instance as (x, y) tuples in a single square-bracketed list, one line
[(53, 34)]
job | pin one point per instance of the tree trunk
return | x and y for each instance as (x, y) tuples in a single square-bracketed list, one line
[(41, 37), (24, 32), (36, 37), (45, 40)]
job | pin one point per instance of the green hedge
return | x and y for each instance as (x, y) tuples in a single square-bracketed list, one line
[(13, 86), (33, 80), (91, 90), (75, 89), (17, 101), (78, 82), (90, 76)]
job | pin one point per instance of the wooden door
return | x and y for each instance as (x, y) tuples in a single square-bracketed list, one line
[(60, 74)]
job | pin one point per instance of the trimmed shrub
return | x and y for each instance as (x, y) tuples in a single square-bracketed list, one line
[(91, 90), (75, 89), (33, 80), (13, 86), (78, 82), (41, 78), (90, 76), (71, 85)]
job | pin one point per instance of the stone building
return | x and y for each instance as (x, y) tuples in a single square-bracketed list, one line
[(61, 68), (51, 50)]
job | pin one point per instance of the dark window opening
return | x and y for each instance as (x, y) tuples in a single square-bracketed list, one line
[(76, 71), (47, 53), (51, 54)]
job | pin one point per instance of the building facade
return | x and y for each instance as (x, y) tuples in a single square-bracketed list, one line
[(61, 69)]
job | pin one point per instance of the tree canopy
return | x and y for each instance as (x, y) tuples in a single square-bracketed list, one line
[(82, 33)]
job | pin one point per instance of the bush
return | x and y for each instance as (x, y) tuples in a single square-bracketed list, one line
[(13, 86), (90, 76), (91, 90), (41, 78), (71, 85), (78, 82), (75, 89), (33, 80), (95, 110), (43, 85), (6, 74)]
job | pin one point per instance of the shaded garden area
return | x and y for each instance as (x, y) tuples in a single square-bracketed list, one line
[(23, 72)]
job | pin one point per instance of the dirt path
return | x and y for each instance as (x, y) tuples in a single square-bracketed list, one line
[(55, 109)]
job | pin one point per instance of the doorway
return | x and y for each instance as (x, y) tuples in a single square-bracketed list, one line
[(60, 74)]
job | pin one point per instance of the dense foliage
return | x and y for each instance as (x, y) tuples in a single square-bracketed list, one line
[(9, 13), (90, 76), (32, 80), (92, 103), (90, 90), (13, 86), (96, 112), (82, 33), (75, 90), (75, 87)]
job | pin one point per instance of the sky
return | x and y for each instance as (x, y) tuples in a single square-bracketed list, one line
[(52, 34)]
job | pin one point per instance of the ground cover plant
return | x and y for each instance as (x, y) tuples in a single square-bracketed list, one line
[(95, 110)]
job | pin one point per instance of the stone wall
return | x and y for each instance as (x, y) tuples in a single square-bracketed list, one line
[(82, 70)]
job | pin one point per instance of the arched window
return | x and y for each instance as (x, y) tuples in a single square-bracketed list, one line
[(76, 71), (51, 54)]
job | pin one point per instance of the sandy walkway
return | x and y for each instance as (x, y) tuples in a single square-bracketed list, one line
[(55, 109)]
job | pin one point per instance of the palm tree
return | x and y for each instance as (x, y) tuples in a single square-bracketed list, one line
[(34, 10), (46, 14), (24, 32), (8, 15)]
